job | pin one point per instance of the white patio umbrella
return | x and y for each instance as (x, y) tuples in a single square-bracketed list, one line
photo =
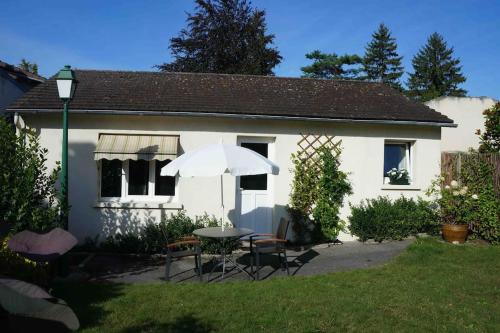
[(218, 159)]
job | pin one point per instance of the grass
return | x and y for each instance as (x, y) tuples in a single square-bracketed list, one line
[(432, 286)]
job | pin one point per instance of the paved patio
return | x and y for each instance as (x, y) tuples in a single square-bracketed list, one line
[(312, 261)]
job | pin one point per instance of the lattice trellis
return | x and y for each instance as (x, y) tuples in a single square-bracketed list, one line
[(309, 145)]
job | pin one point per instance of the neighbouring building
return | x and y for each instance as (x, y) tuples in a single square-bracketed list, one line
[(467, 113), (14, 82), (145, 119)]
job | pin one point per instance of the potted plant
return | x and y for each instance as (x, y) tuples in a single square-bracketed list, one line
[(456, 206), (398, 177)]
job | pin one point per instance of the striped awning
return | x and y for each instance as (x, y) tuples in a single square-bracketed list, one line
[(136, 147)]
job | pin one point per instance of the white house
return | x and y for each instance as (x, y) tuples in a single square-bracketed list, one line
[(145, 119), (467, 113)]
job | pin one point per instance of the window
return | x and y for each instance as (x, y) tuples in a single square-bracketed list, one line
[(255, 182), (164, 185), (111, 178), (138, 177), (135, 179), (397, 156)]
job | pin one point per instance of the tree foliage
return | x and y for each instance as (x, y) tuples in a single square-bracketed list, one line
[(28, 197), (381, 62), (436, 71), (490, 138), (333, 66), (28, 66), (224, 36)]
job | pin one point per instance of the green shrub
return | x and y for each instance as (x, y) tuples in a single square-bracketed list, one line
[(303, 196), (28, 196), (477, 175), (153, 236), (382, 219), (15, 266)]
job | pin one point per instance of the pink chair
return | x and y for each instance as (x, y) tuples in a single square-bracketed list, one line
[(42, 247)]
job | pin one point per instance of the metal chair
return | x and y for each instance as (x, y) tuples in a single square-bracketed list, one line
[(188, 246), (270, 244)]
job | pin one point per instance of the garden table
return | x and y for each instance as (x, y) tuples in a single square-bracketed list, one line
[(231, 234)]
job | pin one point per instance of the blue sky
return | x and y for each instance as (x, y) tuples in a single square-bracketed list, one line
[(134, 35)]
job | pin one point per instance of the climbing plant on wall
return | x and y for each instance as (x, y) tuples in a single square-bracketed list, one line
[(318, 189)]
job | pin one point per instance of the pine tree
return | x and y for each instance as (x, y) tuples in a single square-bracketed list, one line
[(436, 72), (224, 36), (332, 66), (381, 62)]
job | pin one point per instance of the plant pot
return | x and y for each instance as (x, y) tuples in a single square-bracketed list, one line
[(399, 182), (455, 233)]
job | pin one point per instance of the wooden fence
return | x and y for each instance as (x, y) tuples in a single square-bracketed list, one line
[(451, 165)]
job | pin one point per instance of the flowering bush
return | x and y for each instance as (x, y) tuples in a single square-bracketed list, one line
[(400, 177), (457, 205)]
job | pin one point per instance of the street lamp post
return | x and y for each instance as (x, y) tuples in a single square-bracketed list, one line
[(65, 86)]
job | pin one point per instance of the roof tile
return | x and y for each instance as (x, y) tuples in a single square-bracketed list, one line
[(231, 94)]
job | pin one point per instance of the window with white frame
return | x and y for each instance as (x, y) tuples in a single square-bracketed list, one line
[(397, 162), (135, 180)]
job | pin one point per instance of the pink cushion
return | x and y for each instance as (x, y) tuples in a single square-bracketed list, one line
[(55, 241)]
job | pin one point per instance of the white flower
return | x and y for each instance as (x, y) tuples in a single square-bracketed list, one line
[(447, 187), (463, 191), (475, 197), (456, 193), (454, 183)]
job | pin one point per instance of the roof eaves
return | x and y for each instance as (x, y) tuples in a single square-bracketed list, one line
[(240, 116)]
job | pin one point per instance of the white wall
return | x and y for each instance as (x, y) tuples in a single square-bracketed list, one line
[(467, 113), (362, 157)]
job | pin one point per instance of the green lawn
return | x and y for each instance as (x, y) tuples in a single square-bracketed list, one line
[(431, 287)]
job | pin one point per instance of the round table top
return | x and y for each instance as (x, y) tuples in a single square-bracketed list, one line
[(216, 232)]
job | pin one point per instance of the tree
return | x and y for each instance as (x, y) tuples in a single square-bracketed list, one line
[(224, 36), (381, 62), (490, 139), (28, 197), (31, 67), (332, 66), (436, 72)]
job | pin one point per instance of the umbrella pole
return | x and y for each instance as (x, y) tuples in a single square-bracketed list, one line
[(222, 199)]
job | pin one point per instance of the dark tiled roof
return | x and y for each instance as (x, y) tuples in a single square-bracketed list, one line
[(232, 94), (21, 74)]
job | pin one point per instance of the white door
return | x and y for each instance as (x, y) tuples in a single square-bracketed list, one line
[(254, 199)]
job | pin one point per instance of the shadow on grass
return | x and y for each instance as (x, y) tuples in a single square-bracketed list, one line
[(186, 323), (87, 299)]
